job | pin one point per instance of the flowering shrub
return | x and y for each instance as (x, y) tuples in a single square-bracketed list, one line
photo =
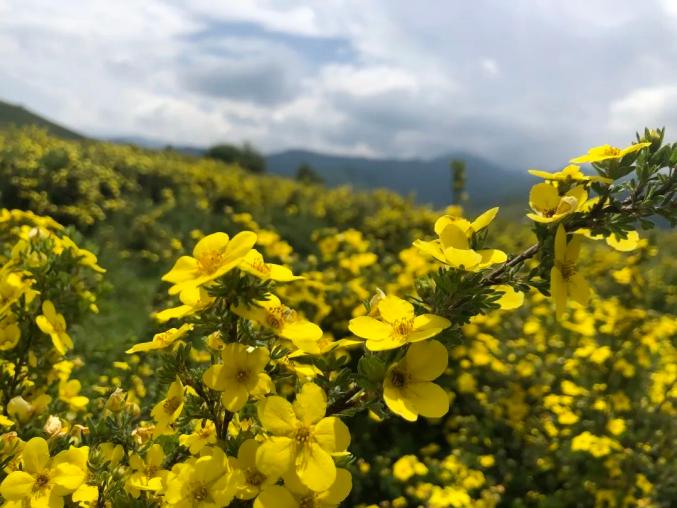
[(401, 361)]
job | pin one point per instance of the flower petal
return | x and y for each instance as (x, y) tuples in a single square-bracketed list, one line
[(394, 309), (558, 290), (369, 328), (578, 289), (543, 197), (274, 456), (240, 244), (216, 242), (275, 496), (17, 485), (397, 403), (277, 415), (234, 397), (35, 455), (484, 220), (315, 467), (427, 360), (310, 404), (332, 434), (428, 399), (339, 489)]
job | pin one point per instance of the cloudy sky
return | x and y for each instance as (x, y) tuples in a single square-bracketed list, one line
[(520, 82)]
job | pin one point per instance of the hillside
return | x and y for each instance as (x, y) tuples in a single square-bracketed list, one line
[(428, 179), (18, 116)]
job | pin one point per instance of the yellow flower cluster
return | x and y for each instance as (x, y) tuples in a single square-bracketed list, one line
[(295, 347)]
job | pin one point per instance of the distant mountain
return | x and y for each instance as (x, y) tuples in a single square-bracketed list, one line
[(14, 115), (156, 144), (429, 179)]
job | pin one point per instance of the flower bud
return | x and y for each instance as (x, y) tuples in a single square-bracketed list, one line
[(116, 401)]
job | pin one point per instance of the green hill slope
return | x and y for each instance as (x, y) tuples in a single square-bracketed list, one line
[(18, 116)]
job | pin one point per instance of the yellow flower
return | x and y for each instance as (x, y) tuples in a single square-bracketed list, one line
[(408, 389), (295, 494), (565, 281), (284, 322), (356, 262), (204, 482), (254, 480), (510, 299), (606, 152), (487, 460), (204, 433), (12, 287), (571, 173), (162, 340), (44, 481), (240, 374), (397, 325), (301, 438), (629, 243), (86, 495), (168, 410), (10, 333), (407, 466), (111, 452), (23, 410), (595, 445), (53, 324), (193, 300), (213, 256), (644, 484), (254, 264), (453, 244), (69, 392), (616, 426), (85, 257), (147, 475), (549, 206)]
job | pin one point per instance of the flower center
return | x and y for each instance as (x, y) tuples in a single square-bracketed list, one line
[(403, 327), (260, 266), (164, 338), (302, 435), (242, 375), (210, 261), (172, 404), (200, 492), (567, 270), (278, 316), (41, 482), (307, 502), (610, 150), (254, 477), (151, 471), (398, 378)]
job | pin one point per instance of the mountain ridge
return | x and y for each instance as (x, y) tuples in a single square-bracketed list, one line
[(19, 116), (428, 179)]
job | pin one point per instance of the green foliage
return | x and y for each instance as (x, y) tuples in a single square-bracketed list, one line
[(306, 174), (245, 156)]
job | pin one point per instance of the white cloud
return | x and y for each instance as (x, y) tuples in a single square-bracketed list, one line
[(490, 67), (645, 107), (385, 77), (367, 81)]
